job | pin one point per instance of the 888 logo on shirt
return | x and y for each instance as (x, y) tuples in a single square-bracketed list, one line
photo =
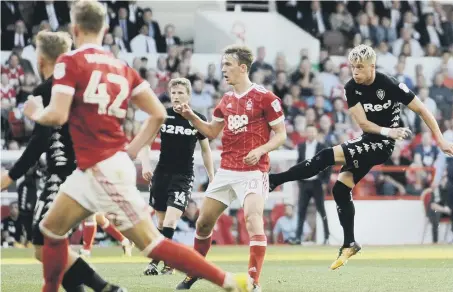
[(237, 123)]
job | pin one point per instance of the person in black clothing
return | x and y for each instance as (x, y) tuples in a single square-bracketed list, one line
[(315, 186), (57, 144), (374, 101), (172, 181), (27, 189), (13, 231)]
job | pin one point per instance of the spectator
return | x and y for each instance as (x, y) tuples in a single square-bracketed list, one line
[(304, 77), (134, 11), (25, 64), (211, 77), (55, 12), (287, 225), (280, 63), (128, 28), (386, 61), (389, 183), (342, 20), (415, 48), (315, 22), (201, 101), (328, 77), (289, 107), (259, 63), (442, 96), (299, 134), (363, 27), (27, 88), (280, 87), (18, 38), (428, 101), (431, 34), (418, 185), (310, 116), (8, 95), (327, 136), (426, 153), (169, 37), (107, 42), (13, 232), (119, 39), (14, 71), (143, 44), (172, 59), (377, 32), (111, 8), (389, 31), (420, 82), (153, 29), (402, 77), (408, 23)]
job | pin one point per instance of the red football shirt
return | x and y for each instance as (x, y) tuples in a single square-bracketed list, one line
[(15, 75), (248, 119), (102, 86)]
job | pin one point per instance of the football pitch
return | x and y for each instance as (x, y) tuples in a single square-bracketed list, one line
[(287, 268)]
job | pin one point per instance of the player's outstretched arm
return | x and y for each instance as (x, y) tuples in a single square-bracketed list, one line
[(148, 102), (207, 158), (209, 129), (417, 106), (55, 114), (358, 114)]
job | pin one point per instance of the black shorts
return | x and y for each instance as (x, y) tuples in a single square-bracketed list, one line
[(45, 200), (365, 152), (170, 190)]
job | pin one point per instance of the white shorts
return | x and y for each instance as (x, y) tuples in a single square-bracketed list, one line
[(109, 187), (229, 185)]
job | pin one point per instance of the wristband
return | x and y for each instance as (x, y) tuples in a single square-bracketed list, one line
[(385, 131)]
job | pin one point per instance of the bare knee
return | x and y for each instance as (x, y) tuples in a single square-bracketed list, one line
[(38, 253), (170, 222), (204, 226)]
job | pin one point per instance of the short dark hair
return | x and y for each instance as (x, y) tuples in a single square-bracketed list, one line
[(242, 53)]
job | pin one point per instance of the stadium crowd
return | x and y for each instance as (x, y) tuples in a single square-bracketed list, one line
[(311, 91)]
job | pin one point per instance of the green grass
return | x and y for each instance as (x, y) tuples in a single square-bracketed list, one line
[(287, 268)]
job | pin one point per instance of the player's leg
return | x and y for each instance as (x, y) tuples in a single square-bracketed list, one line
[(151, 269), (111, 230), (310, 167), (172, 217), (88, 234), (114, 182), (64, 213)]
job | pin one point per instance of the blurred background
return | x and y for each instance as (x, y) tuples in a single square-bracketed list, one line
[(301, 53)]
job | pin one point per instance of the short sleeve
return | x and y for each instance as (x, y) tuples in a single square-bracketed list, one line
[(218, 112), (65, 75), (137, 82), (403, 93), (199, 135), (273, 111), (350, 96)]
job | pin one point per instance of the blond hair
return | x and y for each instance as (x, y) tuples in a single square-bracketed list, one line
[(53, 44), (89, 15), (362, 53), (181, 81), (242, 54)]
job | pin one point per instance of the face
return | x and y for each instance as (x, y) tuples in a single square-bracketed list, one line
[(310, 115), (281, 78), (231, 69), (295, 91), (439, 80), (362, 71), (288, 100), (108, 39), (423, 93), (161, 64), (289, 211), (172, 51), (311, 133), (340, 8), (170, 31), (363, 19), (144, 30), (300, 123), (431, 50), (319, 102), (338, 105), (148, 16), (122, 13), (13, 61), (14, 210), (179, 95), (325, 123), (20, 27)]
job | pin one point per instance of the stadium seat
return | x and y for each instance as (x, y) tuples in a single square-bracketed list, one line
[(5, 211), (426, 200), (222, 231)]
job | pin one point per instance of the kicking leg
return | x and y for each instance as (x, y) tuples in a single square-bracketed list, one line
[(88, 234), (172, 217), (61, 217), (308, 168), (210, 211), (253, 211), (151, 269)]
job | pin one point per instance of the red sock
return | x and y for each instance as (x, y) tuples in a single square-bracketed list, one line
[(54, 259), (258, 245), (202, 244), (89, 231), (113, 232), (187, 260)]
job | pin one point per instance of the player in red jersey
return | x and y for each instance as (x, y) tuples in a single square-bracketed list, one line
[(247, 116), (91, 89)]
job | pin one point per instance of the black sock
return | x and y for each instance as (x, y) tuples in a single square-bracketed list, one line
[(346, 211), (306, 168), (156, 262), (81, 273), (168, 232)]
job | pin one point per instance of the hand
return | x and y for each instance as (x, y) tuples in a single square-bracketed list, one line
[(32, 106), (446, 147), (254, 156), (147, 173), (184, 110), (6, 180), (400, 133), (401, 190)]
